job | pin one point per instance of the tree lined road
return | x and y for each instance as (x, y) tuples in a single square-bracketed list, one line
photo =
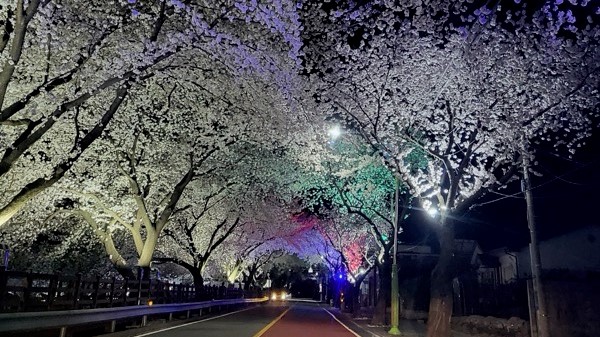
[(272, 320), (307, 321)]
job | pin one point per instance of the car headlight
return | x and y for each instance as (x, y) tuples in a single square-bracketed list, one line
[(274, 296)]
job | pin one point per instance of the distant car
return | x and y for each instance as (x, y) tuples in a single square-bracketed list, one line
[(279, 295)]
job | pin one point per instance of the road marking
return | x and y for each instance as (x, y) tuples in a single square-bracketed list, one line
[(263, 330), (365, 330), (302, 300), (344, 325), (186, 324)]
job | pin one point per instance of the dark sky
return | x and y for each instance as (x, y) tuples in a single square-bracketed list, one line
[(565, 199)]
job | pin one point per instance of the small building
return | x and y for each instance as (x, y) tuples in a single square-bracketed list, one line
[(575, 252)]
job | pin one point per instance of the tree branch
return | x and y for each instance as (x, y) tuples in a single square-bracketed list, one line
[(23, 16)]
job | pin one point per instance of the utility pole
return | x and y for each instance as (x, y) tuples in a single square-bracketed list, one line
[(395, 305), (534, 250)]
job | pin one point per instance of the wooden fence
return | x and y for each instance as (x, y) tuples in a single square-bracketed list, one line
[(24, 291)]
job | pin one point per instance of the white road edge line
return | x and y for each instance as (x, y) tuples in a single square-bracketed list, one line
[(186, 324), (344, 325), (365, 330)]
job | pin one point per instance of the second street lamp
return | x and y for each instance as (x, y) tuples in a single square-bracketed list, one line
[(334, 133)]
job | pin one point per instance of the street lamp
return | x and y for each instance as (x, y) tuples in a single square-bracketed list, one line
[(432, 212), (335, 132)]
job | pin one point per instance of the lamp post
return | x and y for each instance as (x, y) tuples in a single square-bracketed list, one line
[(334, 133), (394, 330)]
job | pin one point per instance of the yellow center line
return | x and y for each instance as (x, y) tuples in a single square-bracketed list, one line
[(263, 330)]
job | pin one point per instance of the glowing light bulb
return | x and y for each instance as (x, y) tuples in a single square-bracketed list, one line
[(432, 212), (335, 132)]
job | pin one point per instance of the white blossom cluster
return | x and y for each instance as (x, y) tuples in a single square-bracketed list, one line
[(452, 110), (132, 98)]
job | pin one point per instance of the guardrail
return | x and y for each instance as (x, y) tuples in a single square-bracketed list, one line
[(20, 321), (23, 291)]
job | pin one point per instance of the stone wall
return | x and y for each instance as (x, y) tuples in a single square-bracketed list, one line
[(491, 326), (573, 308)]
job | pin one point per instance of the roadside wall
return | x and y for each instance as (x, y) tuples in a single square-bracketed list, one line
[(573, 308)]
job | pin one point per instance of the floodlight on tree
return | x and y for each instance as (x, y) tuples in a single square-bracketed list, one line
[(335, 132), (432, 212)]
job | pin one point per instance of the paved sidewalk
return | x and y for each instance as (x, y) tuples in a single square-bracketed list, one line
[(408, 328)]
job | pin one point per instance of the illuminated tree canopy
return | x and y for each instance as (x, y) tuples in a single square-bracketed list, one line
[(69, 67), (473, 92), (196, 131)]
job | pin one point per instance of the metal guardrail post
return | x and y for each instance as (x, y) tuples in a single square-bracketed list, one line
[(112, 326)]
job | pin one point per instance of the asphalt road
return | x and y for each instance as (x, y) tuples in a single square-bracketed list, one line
[(273, 320)]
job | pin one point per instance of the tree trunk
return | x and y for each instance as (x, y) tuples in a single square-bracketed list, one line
[(356, 297), (440, 304), (198, 284), (148, 248), (383, 297), (248, 281), (251, 277), (356, 293)]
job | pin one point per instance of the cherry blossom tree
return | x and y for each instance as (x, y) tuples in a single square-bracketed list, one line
[(356, 247), (54, 247), (225, 228), (235, 218), (262, 239), (354, 189), (67, 63), (470, 89), (191, 240), (196, 142), (153, 201)]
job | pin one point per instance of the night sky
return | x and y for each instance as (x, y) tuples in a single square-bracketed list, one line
[(565, 198)]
